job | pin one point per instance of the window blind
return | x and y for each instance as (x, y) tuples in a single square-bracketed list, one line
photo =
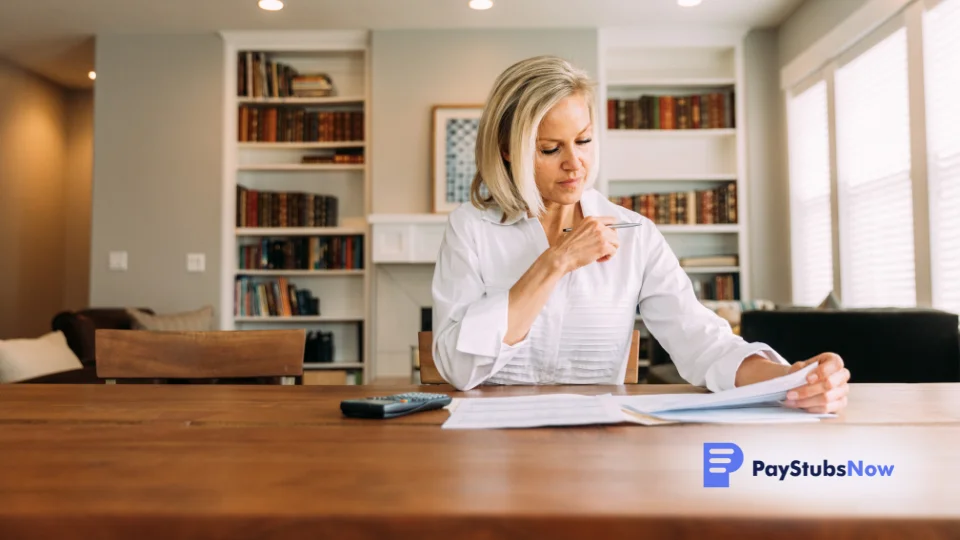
[(941, 51), (811, 225), (873, 173)]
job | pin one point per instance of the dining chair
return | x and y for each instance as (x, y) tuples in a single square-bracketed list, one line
[(430, 375), (145, 354)]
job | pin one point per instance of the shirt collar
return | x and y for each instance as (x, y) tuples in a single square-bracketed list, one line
[(588, 204)]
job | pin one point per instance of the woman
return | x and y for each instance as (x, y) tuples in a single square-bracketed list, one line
[(519, 301)]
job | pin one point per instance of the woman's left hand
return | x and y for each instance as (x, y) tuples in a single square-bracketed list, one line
[(826, 389)]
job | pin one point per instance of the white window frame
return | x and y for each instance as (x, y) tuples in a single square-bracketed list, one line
[(898, 14), (831, 160)]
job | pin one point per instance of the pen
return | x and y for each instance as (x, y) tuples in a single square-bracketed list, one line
[(616, 226)]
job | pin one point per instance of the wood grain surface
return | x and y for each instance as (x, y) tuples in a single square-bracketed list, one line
[(146, 462)]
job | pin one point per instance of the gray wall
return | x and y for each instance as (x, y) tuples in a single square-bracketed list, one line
[(414, 70), (77, 184), (32, 148), (158, 119), (810, 22), (768, 199)]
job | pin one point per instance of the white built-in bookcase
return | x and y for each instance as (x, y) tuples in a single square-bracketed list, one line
[(648, 161), (634, 161), (276, 166)]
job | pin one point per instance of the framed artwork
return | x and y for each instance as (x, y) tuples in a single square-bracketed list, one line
[(453, 162)]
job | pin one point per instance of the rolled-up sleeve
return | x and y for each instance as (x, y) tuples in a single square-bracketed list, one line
[(469, 321), (701, 343)]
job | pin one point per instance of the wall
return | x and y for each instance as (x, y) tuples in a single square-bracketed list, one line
[(810, 22), (158, 117), (32, 147), (77, 186), (768, 197), (414, 70)]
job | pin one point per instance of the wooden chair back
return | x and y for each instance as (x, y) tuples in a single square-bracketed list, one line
[(143, 354), (430, 375)]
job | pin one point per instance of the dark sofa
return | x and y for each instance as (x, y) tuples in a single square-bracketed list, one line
[(79, 328), (877, 345)]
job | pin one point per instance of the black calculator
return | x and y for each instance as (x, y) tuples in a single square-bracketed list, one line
[(392, 406)]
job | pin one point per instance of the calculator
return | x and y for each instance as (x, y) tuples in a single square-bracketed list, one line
[(392, 406)]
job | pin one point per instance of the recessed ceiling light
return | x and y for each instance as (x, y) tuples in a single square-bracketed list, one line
[(481, 4), (92, 75), (688, 3), (270, 5)]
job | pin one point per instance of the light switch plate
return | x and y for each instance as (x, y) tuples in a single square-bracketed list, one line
[(118, 261), (196, 262)]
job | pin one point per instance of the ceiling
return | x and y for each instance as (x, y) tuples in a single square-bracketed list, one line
[(54, 37)]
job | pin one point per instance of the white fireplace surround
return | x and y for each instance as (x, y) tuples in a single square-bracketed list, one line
[(406, 238)]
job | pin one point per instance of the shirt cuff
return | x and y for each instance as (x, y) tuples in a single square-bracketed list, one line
[(484, 326), (723, 375)]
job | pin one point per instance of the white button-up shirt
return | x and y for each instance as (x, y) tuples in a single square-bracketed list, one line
[(583, 333)]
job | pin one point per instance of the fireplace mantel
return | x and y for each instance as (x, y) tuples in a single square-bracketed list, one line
[(406, 238)]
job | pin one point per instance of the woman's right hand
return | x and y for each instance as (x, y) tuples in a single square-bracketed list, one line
[(590, 241)]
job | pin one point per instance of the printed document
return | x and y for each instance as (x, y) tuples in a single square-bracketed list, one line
[(749, 404)]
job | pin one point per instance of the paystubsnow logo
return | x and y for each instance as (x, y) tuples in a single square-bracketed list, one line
[(720, 459)]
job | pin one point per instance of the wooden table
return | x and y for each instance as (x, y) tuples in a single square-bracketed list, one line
[(140, 461)]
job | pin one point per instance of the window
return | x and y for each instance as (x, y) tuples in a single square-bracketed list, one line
[(941, 46), (810, 221), (875, 193)]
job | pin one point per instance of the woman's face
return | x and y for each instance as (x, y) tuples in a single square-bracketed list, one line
[(564, 153)]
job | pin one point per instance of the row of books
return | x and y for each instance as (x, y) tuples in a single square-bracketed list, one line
[(258, 297), (719, 287), (303, 253), (698, 111), (704, 206), (260, 76), (340, 156), (257, 208), (298, 124)]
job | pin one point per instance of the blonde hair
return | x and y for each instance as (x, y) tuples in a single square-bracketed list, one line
[(521, 96)]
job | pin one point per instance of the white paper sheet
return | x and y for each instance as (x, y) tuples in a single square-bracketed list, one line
[(766, 392), (755, 403), (532, 411)]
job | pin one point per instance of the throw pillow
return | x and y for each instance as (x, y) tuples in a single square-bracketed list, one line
[(200, 320), (830, 302), (24, 359)]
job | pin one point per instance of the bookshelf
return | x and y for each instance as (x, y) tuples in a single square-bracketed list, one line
[(296, 193), (673, 148)]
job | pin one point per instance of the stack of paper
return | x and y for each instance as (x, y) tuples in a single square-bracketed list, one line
[(758, 402)]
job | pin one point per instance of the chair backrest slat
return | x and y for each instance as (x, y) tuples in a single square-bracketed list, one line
[(138, 354), (430, 375)]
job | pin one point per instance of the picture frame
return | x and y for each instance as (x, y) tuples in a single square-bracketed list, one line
[(452, 154)]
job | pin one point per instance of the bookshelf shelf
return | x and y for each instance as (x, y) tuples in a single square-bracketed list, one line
[(625, 80), (276, 129), (681, 177), (699, 229), (712, 269), (300, 231), (300, 319), (333, 100), (332, 365), (301, 167), (309, 273), (301, 145), (669, 133)]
